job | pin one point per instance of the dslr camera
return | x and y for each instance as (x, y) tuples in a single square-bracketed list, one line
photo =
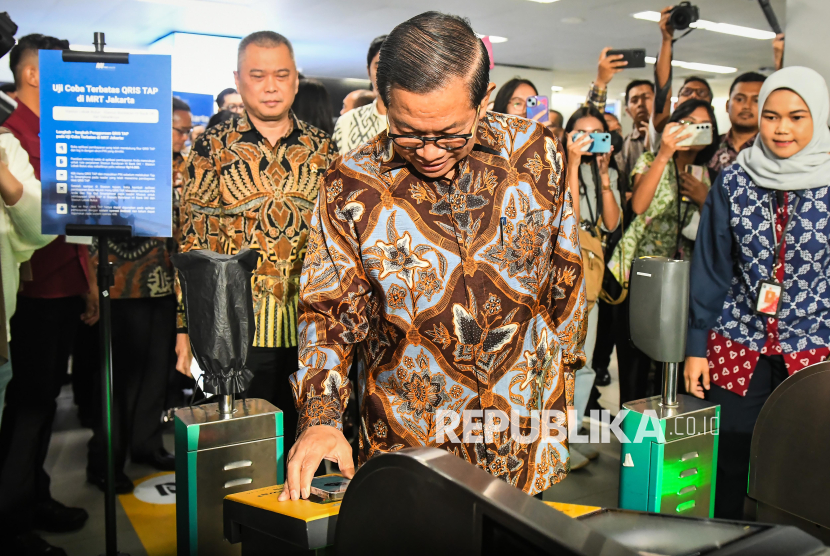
[(683, 15)]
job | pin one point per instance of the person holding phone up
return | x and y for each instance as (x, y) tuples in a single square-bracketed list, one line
[(666, 203), (592, 181), (759, 306)]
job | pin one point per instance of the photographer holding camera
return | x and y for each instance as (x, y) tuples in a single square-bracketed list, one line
[(673, 18)]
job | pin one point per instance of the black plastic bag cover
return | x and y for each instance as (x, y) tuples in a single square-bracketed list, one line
[(220, 315)]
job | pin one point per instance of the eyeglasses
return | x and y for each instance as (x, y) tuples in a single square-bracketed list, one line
[(518, 103), (183, 130), (702, 94), (444, 142), (235, 108)]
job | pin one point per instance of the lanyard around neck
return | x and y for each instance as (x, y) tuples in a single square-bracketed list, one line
[(779, 240)]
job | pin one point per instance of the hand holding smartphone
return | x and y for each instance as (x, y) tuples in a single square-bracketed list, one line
[(600, 142), (699, 135), (696, 171), (537, 109), (636, 57)]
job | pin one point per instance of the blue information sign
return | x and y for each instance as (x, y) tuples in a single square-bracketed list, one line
[(106, 144)]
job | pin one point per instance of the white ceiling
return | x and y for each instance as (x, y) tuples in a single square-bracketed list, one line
[(331, 36)]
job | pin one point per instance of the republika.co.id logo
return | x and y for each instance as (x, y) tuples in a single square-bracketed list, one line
[(103, 66)]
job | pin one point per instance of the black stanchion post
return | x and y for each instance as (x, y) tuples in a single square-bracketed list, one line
[(105, 281), (105, 328)]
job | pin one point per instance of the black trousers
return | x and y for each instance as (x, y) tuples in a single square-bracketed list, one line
[(737, 421), (43, 332), (607, 336), (85, 370), (143, 350), (272, 367)]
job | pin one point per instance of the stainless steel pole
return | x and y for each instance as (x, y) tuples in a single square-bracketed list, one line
[(226, 404), (670, 371)]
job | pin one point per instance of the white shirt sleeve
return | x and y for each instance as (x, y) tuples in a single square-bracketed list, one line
[(24, 216)]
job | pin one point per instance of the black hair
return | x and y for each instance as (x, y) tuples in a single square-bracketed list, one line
[(424, 53), (179, 104), (682, 111), (612, 115), (31, 44), (558, 115), (637, 83), (506, 93), (219, 117), (265, 39), (374, 48), (313, 105), (590, 111), (220, 98), (694, 78), (748, 77)]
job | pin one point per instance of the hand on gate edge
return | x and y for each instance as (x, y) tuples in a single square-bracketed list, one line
[(313, 446), (696, 367), (183, 355)]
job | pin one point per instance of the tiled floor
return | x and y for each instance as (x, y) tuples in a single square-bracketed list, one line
[(66, 465), (596, 484)]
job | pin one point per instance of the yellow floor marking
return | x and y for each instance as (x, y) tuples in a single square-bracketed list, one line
[(155, 524)]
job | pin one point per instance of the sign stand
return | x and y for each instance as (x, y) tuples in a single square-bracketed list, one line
[(105, 280)]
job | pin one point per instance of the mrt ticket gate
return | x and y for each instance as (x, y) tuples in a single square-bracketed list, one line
[(673, 473), (428, 501)]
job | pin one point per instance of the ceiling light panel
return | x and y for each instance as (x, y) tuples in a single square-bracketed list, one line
[(696, 66), (725, 28)]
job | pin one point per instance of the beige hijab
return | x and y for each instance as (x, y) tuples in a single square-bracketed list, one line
[(810, 167)]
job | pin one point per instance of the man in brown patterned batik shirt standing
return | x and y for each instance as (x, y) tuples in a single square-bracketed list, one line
[(252, 182), (444, 254)]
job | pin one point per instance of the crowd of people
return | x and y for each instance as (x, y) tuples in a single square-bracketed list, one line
[(427, 249)]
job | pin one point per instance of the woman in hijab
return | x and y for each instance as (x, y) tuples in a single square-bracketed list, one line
[(754, 320)]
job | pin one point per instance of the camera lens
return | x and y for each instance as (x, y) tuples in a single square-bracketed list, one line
[(680, 21), (683, 15)]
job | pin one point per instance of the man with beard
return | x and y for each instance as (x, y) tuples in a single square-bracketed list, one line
[(742, 108)]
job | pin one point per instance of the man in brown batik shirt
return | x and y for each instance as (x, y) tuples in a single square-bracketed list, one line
[(444, 254)]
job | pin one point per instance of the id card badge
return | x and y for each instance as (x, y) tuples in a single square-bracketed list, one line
[(769, 298)]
